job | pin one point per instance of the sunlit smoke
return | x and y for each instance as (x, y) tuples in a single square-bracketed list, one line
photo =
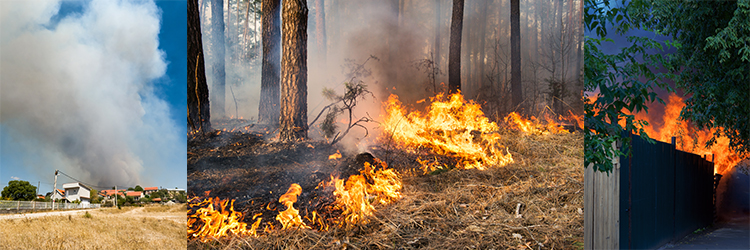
[(76, 89)]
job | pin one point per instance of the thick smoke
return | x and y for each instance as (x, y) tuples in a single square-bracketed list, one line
[(76, 92)]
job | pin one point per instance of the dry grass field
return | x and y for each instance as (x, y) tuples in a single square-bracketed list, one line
[(534, 203), (150, 227)]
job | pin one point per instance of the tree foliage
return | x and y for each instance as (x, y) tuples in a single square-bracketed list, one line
[(712, 62), (613, 85), (711, 65), (19, 191)]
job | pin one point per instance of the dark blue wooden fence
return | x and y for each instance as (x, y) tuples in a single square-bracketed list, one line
[(665, 194)]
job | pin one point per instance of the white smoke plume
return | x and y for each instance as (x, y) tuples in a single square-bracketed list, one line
[(76, 92)]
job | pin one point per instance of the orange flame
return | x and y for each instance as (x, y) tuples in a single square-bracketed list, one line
[(218, 223), (337, 155), (533, 126), (357, 196), (687, 138), (451, 127), (289, 218)]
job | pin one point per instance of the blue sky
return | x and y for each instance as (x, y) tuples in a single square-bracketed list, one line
[(160, 110)]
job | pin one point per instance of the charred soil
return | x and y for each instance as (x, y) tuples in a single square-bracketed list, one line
[(535, 202)]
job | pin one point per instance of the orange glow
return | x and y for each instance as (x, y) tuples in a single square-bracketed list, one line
[(356, 197), (533, 126), (289, 218), (451, 126), (219, 222), (337, 155), (687, 138)]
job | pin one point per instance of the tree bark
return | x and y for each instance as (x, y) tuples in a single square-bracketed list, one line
[(515, 53), (199, 113), (217, 47), (268, 110), (454, 60), (293, 119), (436, 46)]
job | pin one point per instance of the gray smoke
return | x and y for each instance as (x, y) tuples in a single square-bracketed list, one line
[(76, 92)]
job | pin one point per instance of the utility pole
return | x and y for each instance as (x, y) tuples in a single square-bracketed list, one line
[(54, 190), (37, 187), (116, 193)]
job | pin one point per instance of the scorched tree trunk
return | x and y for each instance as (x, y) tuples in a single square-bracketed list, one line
[(454, 60), (197, 90), (293, 119), (515, 53), (268, 110)]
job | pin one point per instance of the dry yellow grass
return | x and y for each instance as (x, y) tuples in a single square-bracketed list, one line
[(151, 227), (534, 203)]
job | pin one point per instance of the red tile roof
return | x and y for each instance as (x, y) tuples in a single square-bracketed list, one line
[(61, 191), (156, 199), (107, 192), (151, 188), (134, 193)]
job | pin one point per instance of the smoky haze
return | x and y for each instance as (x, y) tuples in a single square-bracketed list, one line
[(76, 89), (401, 34)]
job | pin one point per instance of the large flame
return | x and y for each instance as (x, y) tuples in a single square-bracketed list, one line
[(355, 199), (357, 196), (218, 219), (688, 138), (451, 127)]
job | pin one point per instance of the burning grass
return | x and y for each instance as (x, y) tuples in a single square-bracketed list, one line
[(110, 228), (462, 208), (445, 178)]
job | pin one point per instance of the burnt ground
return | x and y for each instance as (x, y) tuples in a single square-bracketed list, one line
[(535, 202), (255, 173)]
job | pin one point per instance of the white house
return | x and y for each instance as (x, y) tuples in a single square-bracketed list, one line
[(59, 194), (77, 192)]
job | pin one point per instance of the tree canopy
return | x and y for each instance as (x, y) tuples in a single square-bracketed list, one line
[(19, 190), (711, 65)]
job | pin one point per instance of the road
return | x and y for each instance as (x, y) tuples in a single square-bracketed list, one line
[(728, 235)]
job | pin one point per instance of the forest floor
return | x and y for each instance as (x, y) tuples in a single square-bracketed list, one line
[(150, 227), (536, 202)]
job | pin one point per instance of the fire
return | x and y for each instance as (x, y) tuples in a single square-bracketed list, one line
[(450, 127), (289, 218), (359, 193), (337, 155), (533, 126), (217, 223), (687, 138), (355, 200)]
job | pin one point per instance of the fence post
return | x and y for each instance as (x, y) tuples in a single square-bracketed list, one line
[(18, 205)]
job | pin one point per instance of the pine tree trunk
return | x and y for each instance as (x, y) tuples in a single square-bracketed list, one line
[(197, 90), (515, 53), (436, 47), (219, 74), (268, 110), (293, 119), (454, 60)]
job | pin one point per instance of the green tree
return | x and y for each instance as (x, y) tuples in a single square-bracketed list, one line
[(613, 89), (95, 198), (180, 197), (712, 62), (19, 190), (138, 188), (711, 66)]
